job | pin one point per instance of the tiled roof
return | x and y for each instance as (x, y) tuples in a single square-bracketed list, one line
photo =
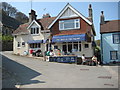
[(110, 26), (22, 29), (44, 22)]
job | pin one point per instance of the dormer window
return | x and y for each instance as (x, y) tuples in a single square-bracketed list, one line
[(69, 24), (34, 30)]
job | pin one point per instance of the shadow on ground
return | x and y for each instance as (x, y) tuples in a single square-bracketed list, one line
[(17, 74)]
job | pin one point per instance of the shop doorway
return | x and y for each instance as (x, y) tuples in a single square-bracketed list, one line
[(64, 48)]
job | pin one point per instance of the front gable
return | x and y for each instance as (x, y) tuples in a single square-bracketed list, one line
[(34, 23), (68, 12)]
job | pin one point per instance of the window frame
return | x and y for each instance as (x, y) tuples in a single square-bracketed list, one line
[(34, 30), (63, 24), (85, 45), (18, 44), (111, 55), (23, 44), (114, 38), (79, 46), (35, 45)]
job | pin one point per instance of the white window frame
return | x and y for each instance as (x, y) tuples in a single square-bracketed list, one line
[(18, 44), (38, 45), (75, 21), (111, 55), (34, 30), (78, 48), (116, 38)]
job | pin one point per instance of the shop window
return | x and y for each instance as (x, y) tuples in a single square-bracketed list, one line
[(64, 48), (38, 45), (116, 38), (55, 47), (34, 30), (18, 45), (113, 55), (23, 44), (75, 46), (86, 45), (35, 45), (69, 24)]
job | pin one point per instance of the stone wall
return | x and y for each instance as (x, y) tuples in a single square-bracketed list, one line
[(6, 46)]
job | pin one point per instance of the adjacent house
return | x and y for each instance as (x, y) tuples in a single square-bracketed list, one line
[(70, 31), (110, 40)]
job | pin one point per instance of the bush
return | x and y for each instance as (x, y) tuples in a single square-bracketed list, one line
[(6, 38)]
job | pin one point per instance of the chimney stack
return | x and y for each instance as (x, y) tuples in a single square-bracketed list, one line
[(90, 12), (102, 18), (47, 15), (32, 16)]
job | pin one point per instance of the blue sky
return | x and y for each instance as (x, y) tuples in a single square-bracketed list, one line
[(53, 8)]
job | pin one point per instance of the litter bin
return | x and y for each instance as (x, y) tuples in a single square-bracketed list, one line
[(79, 60)]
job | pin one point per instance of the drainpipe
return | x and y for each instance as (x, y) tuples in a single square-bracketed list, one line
[(101, 45)]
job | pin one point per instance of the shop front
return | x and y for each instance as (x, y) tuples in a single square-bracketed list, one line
[(73, 45), (36, 47)]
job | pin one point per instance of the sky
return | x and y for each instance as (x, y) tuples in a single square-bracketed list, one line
[(53, 8)]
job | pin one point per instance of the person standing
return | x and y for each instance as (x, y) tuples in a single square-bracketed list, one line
[(83, 59), (94, 59)]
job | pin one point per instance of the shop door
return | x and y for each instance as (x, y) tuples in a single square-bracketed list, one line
[(70, 48), (64, 48)]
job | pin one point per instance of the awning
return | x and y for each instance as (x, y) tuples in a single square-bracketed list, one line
[(45, 41), (34, 41), (69, 38)]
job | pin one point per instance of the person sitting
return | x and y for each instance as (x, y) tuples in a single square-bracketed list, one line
[(94, 59), (51, 53)]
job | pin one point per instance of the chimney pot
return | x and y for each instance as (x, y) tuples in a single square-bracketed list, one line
[(102, 18), (90, 6), (102, 12)]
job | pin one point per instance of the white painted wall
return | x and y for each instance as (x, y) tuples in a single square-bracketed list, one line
[(26, 38)]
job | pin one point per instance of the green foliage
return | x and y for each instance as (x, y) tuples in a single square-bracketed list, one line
[(97, 49), (98, 42), (6, 38), (97, 52), (11, 11)]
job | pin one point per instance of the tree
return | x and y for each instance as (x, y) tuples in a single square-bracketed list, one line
[(13, 12), (98, 42), (8, 9), (21, 17)]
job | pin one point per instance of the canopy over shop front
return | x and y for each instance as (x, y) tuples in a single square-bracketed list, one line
[(34, 41), (69, 38)]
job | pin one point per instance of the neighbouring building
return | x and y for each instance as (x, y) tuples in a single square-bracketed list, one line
[(70, 31), (110, 40)]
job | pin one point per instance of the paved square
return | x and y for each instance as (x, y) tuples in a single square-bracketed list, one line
[(35, 73)]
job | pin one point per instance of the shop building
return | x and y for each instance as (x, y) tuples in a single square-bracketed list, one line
[(70, 31), (110, 40)]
